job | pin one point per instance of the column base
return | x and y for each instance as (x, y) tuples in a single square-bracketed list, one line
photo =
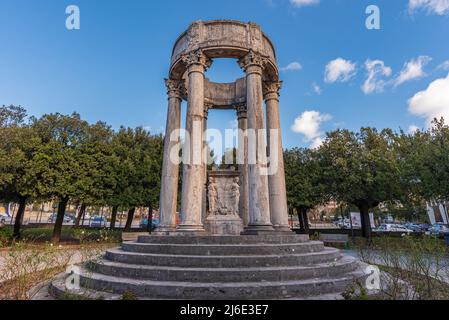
[(254, 230), (190, 230), (283, 229), (164, 231)]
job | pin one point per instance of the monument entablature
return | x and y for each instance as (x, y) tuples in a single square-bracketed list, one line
[(223, 39)]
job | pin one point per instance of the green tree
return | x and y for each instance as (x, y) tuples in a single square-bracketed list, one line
[(361, 169), (60, 163), (137, 171), (98, 163), (18, 145), (303, 181), (424, 165)]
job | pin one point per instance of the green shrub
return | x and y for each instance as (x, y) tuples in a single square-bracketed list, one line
[(5, 235)]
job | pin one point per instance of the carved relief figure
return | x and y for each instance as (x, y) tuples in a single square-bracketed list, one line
[(235, 190), (213, 197)]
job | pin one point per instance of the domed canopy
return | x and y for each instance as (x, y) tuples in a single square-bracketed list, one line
[(223, 39)]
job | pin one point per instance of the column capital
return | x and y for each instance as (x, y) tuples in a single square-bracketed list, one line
[(207, 107), (253, 62), (271, 89), (242, 112), (197, 58), (175, 88)]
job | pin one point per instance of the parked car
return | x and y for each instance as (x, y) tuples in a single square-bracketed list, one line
[(144, 223), (98, 222), (438, 229), (387, 227), (5, 219), (67, 218), (344, 224), (414, 227)]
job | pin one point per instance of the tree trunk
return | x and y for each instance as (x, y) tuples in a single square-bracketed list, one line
[(19, 217), (302, 230), (113, 217), (305, 218), (80, 215), (150, 219), (129, 220), (59, 220), (365, 220)]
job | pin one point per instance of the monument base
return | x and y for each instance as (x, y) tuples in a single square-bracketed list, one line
[(190, 230), (224, 225), (164, 231), (286, 229), (269, 266), (254, 230)]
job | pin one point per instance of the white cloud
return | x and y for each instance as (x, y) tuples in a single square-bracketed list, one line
[(444, 66), (412, 70), (440, 7), (294, 66), (309, 124), (339, 70), (316, 88), (412, 129), (432, 102), (304, 3), (375, 69)]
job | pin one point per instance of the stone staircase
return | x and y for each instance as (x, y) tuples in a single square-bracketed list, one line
[(216, 267)]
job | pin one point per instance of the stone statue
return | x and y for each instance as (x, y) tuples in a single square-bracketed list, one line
[(213, 197), (235, 189)]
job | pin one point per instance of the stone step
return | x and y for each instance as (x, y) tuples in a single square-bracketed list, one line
[(223, 291), (228, 249), (328, 255), (223, 240), (109, 268)]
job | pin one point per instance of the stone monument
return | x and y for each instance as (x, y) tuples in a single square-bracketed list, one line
[(263, 204), (204, 257)]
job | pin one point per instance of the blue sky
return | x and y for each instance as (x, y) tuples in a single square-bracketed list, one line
[(112, 69)]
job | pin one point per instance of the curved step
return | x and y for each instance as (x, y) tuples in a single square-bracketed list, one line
[(155, 273), (235, 261), (229, 249), (212, 291), (268, 238)]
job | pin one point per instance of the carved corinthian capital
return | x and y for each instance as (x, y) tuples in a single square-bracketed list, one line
[(242, 111), (197, 58), (271, 88), (252, 59), (175, 88)]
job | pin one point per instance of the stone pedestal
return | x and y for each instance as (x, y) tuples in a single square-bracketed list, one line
[(224, 225), (224, 196)]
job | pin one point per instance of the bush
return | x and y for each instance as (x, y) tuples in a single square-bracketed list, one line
[(5, 236), (414, 268)]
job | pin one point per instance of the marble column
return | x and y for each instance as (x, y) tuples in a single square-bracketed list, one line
[(259, 206), (242, 118), (207, 106), (276, 177), (170, 169), (193, 170)]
